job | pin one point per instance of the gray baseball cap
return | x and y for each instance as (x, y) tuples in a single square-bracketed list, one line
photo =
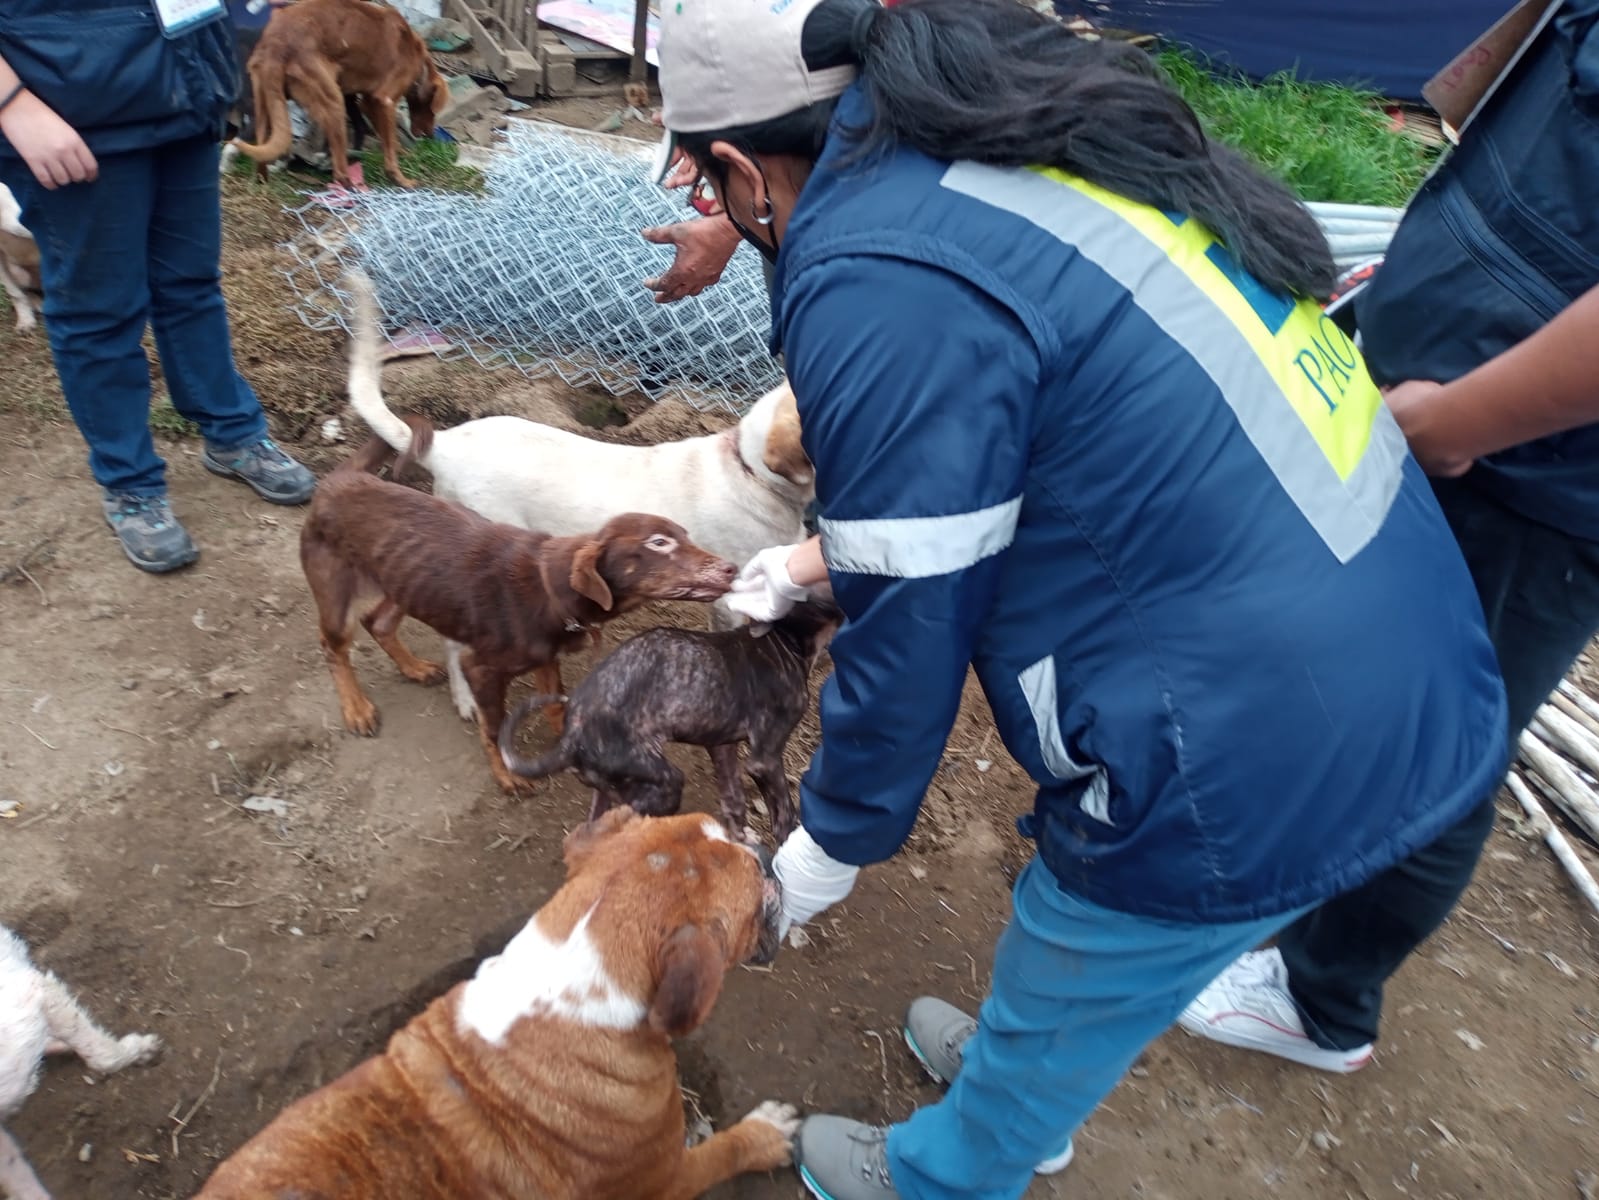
[(730, 63)]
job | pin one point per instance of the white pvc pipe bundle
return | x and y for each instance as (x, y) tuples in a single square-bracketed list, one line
[(1356, 231), (1559, 759)]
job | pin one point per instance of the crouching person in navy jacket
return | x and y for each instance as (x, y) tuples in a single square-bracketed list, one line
[(1076, 422)]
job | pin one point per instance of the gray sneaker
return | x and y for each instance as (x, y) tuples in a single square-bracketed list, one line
[(151, 536), (271, 473), (840, 1159), (937, 1034)]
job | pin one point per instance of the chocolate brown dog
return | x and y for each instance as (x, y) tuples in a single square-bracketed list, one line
[(681, 685), (514, 599), (550, 1075)]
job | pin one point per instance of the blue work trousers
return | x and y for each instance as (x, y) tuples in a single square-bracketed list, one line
[(1078, 992), (138, 248)]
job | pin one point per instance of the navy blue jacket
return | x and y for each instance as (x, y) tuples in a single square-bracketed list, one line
[(106, 68), (1502, 237), (1209, 596)]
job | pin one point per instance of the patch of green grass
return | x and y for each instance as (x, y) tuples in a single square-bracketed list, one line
[(166, 420), (1328, 143), (429, 163), (284, 187)]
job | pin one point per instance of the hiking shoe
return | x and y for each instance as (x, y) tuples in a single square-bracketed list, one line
[(937, 1034), (151, 536), (271, 473), (840, 1159), (1248, 1005)]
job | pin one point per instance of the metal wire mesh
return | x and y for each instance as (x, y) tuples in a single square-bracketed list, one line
[(543, 272)]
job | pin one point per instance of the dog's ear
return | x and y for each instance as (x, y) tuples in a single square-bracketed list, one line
[(784, 455), (691, 970), (582, 840), (585, 578)]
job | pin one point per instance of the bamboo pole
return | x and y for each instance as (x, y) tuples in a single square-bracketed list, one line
[(1575, 711), (1556, 841), (1566, 788), (1570, 738)]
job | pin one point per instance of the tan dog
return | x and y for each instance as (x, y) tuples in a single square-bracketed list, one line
[(321, 51), (550, 1075)]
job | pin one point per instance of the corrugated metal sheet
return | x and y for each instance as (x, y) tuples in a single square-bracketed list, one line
[(1392, 48)]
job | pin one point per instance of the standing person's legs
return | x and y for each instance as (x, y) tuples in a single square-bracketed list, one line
[(1322, 989), (1078, 991), (190, 320), (91, 239), (186, 306)]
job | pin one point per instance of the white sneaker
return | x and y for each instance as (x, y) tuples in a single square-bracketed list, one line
[(1248, 1005), (1054, 1166)]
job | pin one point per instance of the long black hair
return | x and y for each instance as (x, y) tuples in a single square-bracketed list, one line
[(992, 81)]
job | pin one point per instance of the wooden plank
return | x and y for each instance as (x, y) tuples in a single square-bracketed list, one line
[(640, 70), (506, 58)]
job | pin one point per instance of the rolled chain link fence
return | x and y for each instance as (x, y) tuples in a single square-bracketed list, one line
[(542, 272)]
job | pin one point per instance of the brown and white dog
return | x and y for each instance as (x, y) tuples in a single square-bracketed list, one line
[(319, 52), (19, 262), (551, 1073), (39, 1016)]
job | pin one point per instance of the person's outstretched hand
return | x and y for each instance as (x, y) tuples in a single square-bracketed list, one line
[(704, 247), (811, 879), (52, 149), (764, 590)]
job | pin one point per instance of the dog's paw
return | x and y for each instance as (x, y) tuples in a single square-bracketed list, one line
[(465, 706), (424, 672), (784, 1118), (131, 1050), (772, 1128), (514, 785), (362, 718)]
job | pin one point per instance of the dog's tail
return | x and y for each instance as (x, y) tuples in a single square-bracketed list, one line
[(366, 377), (271, 114), (549, 763), (376, 453)]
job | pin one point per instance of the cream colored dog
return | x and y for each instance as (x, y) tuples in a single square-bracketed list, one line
[(736, 492), (38, 1016)]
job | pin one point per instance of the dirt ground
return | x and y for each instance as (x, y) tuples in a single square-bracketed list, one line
[(137, 714)]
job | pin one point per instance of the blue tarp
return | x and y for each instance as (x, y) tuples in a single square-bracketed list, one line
[(1389, 46)]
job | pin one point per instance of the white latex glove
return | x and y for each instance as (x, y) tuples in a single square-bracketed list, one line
[(811, 879), (764, 590)]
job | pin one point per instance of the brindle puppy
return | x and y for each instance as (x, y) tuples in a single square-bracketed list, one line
[(681, 685)]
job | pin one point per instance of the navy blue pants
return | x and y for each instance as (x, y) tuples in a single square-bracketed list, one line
[(138, 248), (1540, 592)]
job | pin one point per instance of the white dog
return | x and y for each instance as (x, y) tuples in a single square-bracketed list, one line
[(38, 1016), (736, 493), (19, 261)]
